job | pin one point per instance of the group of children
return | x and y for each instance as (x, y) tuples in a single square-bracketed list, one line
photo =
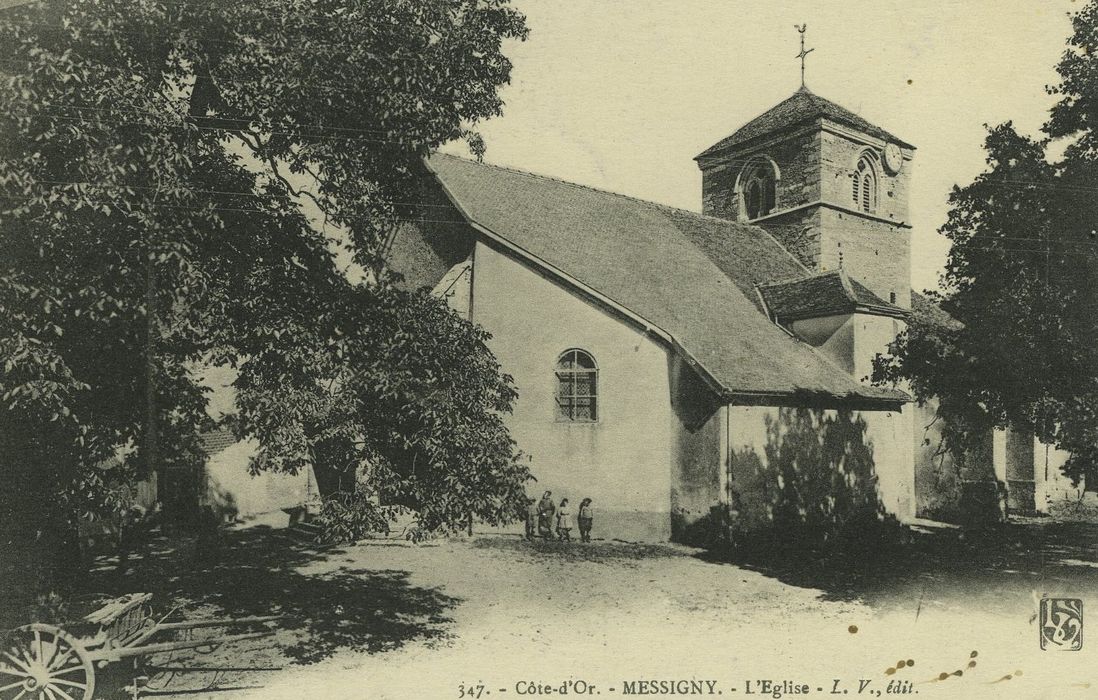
[(543, 517)]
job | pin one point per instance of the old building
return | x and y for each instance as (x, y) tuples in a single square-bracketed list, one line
[(675, 366), (660, 352), (670, 362)]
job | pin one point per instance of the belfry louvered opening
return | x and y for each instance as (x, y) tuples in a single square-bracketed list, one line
[(864, 186)]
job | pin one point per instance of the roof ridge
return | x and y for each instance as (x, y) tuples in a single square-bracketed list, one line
[(666, 207), (550, 178), (848, 288), (592, 188), (809, 276)]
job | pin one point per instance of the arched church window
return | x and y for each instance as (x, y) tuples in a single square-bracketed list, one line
[(864, 186), (758, 191), (577, 387)]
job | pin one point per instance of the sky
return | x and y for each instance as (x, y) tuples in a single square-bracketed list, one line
[(622, 94)]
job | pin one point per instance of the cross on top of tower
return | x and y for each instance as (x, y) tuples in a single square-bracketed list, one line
[(802, 28)]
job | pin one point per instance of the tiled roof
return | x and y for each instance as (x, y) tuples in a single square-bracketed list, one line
[(747, 255), (822, 295), (216, 440), (210, 442), (802, 107), (659, 264)]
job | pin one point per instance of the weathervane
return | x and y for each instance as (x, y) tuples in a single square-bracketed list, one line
[(802, 28)]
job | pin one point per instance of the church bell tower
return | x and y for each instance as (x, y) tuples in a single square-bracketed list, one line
[(827, 184)]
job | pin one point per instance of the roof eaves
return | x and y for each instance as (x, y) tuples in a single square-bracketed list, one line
[(889, 399), (845, 310), (877, 310), (876, 131), (869, 309)]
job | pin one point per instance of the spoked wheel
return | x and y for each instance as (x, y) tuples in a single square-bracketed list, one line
[(43, 662)]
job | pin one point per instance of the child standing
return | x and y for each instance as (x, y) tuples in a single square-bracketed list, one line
[(564, 521), (586, 517), (546, 514), (531, 518)]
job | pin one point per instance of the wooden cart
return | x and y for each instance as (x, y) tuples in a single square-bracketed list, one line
[(44, 662)]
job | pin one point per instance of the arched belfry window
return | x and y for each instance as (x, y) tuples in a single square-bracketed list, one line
[(577, 387), (864, 186), (758, 189)]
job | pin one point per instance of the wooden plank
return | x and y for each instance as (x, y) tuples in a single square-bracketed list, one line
[(217, 623), (114, 609), (119, 653)]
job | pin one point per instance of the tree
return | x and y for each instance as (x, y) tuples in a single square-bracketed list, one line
[(407, 407), (155, 156), (1022, 281)]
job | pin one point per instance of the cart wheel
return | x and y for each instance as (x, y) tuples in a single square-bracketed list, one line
[(43, 662)]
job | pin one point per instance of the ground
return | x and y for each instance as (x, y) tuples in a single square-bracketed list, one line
[(393, 620)]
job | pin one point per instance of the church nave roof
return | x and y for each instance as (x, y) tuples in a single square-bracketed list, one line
[(691, 276)]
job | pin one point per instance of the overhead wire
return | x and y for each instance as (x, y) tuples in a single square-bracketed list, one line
[(179, 31)]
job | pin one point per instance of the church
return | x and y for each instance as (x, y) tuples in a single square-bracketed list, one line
[(650, 346), (665, 359), (692, 372)]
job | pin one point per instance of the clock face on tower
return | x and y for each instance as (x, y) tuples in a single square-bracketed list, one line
[(893, 158)]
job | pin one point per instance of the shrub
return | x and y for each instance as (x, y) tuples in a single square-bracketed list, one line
[(349, 516)]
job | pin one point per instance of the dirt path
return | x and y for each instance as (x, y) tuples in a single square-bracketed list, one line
[(615, 613), (390, 620)]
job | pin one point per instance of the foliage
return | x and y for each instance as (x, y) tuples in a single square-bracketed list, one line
[(409, 398), (1021, 283), (156, 160), (349, 516)]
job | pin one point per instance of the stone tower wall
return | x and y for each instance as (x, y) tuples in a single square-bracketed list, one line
[(815, 216), (798, 158)]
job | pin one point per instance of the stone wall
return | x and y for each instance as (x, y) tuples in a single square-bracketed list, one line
[(1020, 472), (797, 157), (875, 253), (799, 232), (839, 158), (816, 167), (938, 484)]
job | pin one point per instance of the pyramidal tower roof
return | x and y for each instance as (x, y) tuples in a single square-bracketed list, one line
[(801, 107)]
